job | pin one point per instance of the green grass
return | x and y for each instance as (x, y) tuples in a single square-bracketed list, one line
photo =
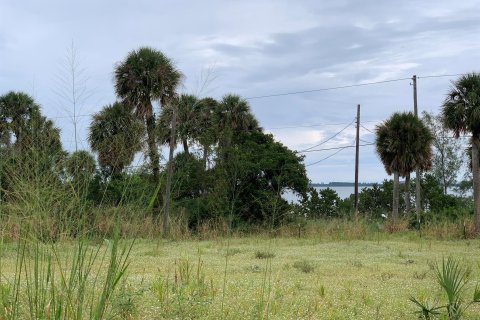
[(307, 278)]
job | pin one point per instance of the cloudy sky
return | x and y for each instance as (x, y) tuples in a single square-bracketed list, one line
[(253, 48)]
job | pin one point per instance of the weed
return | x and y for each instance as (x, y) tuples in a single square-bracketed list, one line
[(264, 255), (420, 275), (124, 304), (304, 266), (188, 288), (356, 263), (386, 276), (321, 291), (232, 251)]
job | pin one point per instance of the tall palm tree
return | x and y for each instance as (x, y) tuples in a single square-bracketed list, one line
[(115, 135), (231, 116), (461, 113), (186, 126), (403, 143), (147, 75)]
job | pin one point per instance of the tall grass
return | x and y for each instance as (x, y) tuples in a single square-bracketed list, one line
[(50, 284)]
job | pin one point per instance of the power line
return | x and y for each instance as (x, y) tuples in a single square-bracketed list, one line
[(323, 159), (308, 126), (325, 141), (361, 125), (441, 76), (337, 148), (327, 89)]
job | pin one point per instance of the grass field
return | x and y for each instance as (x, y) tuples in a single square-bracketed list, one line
[(281, 278)]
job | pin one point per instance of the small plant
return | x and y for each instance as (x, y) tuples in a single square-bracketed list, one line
[(264, 255), (420, 275), (188, 288), (232, 251), (356, 263), (304, 265), (386, 276), (452, 278), (124, 304), (321, 291)]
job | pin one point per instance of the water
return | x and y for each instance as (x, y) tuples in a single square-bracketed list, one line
[(343, 192)]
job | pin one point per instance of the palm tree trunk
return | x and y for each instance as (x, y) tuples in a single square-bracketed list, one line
[(205, 157), (185, 146), (476, 182), (442, 160), (396, 196), (152, 146), (418, 194), (407, 194), (166, 209)]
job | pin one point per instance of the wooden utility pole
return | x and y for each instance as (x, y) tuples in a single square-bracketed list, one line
[(357, 154), (166, 208), (418, 173)]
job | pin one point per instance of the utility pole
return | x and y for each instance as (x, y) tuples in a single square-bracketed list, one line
[(418, 187), (357, 153)]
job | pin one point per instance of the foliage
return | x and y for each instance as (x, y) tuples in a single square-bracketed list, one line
[(115, 135), (147, 75), (129, 188), (461, 114), (447, 155), (323, 204), (376, 200), (404, 144), (452, 278), (49, 285), (187, 126), (257, 172), (80, 167), (461, 107)]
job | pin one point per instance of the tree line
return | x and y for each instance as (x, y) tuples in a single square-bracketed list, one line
[(240, 172), (227, 165)]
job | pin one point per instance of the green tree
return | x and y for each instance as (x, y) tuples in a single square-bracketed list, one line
[(447, 153), (36, 137), (249, 185), (80, 167), (38, 151), (232, 116), (147, 75), (461, 113), (115, 135), (206, 133), (16, 108), (322, 204), (187, 124), (403, 143)]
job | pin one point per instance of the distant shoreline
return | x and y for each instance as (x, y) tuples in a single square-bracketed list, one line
[(342, 184)]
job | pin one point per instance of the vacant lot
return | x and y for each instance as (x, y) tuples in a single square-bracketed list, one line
[(252, 278)]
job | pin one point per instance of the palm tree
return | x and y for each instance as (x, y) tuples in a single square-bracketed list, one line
[(115, 135), (231, 116), (80, 167), (186, 126), (461, 113), (403, 143), (15, 110), (206, 133), (147, 75)]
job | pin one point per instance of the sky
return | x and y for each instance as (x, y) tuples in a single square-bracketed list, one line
[(253, 48)]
